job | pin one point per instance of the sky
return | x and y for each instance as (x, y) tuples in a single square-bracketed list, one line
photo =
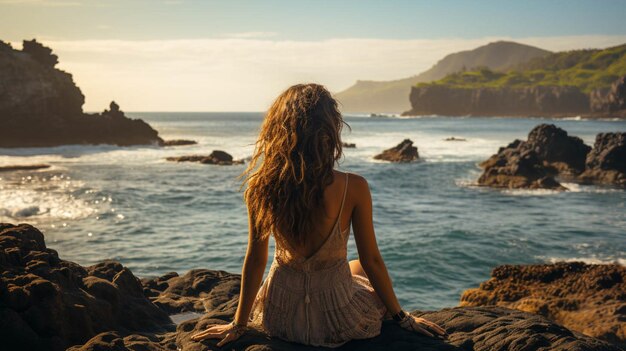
[(185, 55)]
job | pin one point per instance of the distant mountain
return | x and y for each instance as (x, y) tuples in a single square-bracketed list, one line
[(393, 96)]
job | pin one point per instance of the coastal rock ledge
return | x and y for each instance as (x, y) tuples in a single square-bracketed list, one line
[(587, 298), (41, 106), (47, 303)]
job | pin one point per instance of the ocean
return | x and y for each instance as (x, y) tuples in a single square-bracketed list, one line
[(439, 234)]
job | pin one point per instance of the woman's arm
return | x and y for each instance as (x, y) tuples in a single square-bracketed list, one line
[(373, 263), (251, 277), (369, 255), (252, 273)]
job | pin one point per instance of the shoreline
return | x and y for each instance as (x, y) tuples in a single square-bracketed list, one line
[(119, 311)]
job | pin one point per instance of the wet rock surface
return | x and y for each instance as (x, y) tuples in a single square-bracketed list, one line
[(590, 299), (606, 163), (47, 303), (217, 157), (179, 142), (23, 167), (403, 152), (534, 163)]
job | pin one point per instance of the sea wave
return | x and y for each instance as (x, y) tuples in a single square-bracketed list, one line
[(588, 260), (47, 197)]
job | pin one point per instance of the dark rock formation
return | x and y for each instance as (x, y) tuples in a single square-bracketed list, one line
[(199, 290), (403, 152), (454, 139), (533, 101), (556, 149), (349, 145), (179, 142), (533, 163), (49, 304), (217, 157), (41, 106), (514, 167), (590, 299), (23, 167), (606, 163)]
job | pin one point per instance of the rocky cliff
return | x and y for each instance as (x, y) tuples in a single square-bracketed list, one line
[(541, 101), (47, 303), (391, 96), (41, 106)]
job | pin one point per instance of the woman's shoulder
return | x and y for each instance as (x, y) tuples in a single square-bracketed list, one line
[(355, 181)]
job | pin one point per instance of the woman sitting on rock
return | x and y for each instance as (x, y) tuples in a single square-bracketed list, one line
[(312, 294)]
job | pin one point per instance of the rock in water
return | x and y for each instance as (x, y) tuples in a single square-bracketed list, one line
[(514, 168), (555, 148), (403, 152), (606, 163), (179, 142), (23, 167), (532, 164), (217, 157), (590, 299), (41, 106)]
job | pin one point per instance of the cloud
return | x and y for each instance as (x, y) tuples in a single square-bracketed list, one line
[(250, 35), (49, 3), (239, 74)]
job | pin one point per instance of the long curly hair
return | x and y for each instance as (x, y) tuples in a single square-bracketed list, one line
[(298, 146)]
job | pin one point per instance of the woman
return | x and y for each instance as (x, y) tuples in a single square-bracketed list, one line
[(312, 294)]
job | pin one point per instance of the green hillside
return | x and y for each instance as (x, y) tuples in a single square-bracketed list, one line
[(393, 96), (585, 69)]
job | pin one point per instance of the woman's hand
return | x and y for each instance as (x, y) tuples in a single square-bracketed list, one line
[(422, 326), (226, 332)]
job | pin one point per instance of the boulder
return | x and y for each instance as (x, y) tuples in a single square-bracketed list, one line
[(349, 145), (555, 148), (514, 167), (403, 152), (606, 163), (217, 157), (47, 303), (532, 164), (590, 299)]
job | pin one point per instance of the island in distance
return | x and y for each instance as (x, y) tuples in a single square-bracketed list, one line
[(41, 106)]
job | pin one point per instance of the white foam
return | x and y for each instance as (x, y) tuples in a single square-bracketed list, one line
[(42, 198), (587, 260)]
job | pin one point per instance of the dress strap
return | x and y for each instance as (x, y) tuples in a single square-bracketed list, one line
[(343, 200)]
